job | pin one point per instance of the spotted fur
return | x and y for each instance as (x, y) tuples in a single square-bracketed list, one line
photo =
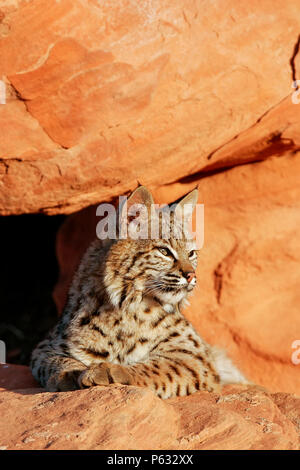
[(122, 322)]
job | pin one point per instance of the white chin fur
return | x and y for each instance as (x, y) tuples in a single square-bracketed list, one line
[(170, 298), (168, 308)]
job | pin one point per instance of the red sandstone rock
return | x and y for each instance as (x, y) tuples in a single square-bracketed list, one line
[(101, 95), (13, 377), (121, 417), (289, 405)]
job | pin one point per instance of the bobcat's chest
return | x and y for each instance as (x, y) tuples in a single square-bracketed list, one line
[(137, 340)]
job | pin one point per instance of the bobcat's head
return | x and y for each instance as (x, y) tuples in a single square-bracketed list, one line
[(155, 254)]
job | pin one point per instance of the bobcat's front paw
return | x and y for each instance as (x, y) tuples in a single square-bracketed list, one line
[(105, 374), (64, 382)]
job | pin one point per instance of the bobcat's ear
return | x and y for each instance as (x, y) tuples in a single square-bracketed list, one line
[(186, 205), (140, 195), (140, 202)]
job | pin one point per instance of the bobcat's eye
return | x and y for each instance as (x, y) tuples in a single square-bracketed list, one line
[(192, 253), (165, 251)]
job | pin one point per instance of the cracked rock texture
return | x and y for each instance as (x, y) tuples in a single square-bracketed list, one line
[(102, 94), (121, 417)]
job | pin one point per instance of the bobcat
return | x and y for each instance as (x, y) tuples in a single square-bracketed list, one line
[(122, 321)]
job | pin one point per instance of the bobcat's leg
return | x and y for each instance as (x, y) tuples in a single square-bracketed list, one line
[(176, 367), (55, 372), (167, 375)]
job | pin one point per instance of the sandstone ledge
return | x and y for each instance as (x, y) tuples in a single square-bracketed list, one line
[(121, 417)]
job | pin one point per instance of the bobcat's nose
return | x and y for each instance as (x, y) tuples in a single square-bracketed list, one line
[(189, 275)]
